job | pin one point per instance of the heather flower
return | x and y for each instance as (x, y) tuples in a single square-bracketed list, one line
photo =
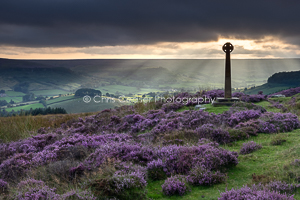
[(237, 134), (175, 141), (201, 176), (216, 134), (76, 194), (121, 181), (167, 107), (34, 189), (175, 185), (253, 193), (129, 167), (3, 186), (278, 122), (243, 116), (14, 167), (253, 98), (270, 122), (157, 169), (214, 93), (296, 162), (238, 94), (282, 187), (181, 159), (77, 171), (155, 114), (240, 106), (249, 147), (33, 144)]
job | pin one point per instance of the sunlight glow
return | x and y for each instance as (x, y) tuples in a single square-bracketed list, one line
[(268, 47)]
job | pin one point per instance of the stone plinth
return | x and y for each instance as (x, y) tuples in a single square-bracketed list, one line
[(220, 101)]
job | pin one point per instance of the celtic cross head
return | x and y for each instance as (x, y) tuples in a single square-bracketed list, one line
[(228, 47)]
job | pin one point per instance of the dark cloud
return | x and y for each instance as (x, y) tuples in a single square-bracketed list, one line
[(78, 23)]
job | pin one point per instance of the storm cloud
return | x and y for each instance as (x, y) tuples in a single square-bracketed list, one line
[(82, 23)]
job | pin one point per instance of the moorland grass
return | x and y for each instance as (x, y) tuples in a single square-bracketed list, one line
[(208, 108), (216, 110), (20, 127)]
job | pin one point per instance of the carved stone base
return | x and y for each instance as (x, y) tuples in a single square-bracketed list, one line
[(220, 101)]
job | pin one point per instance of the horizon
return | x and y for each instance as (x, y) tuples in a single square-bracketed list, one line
[(151, 59)]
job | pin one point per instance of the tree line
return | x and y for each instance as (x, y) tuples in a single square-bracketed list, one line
[(33, 112)]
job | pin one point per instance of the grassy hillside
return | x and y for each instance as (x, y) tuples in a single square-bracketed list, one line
[(267, 89), (20, 127), (271, 162)]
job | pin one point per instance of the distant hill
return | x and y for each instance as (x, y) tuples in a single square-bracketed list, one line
[(10, 63), (39, 76), (277, 82), (285, 78)]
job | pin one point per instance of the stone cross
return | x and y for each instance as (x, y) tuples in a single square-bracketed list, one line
[(227, 48)]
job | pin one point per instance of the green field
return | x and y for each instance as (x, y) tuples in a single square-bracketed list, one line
[(14, 94), (78, 106), (112, 89), (26, 107), (72, 104), (54, 92), (59, 99), (15, 99)]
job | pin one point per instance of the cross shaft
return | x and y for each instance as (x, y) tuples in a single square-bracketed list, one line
[(227, 48)]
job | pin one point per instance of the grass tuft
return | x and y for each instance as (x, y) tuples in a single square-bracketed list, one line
[(20, 127)]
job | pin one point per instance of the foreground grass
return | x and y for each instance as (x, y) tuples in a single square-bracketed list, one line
[(217, 110), (267, 106), (20, 127), (208, 108), (269, 161)]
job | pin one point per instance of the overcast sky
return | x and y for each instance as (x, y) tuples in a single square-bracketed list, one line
[(64, 29)]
